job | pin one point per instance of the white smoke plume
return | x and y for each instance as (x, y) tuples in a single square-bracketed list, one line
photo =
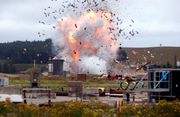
[(88, 34), (89, 46)]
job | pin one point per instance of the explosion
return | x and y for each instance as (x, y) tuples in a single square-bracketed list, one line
[(89, 32), (87, 36)]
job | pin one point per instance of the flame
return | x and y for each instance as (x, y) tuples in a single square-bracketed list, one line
[(91, 15), (71, 39), (76, 55), (86, 34)]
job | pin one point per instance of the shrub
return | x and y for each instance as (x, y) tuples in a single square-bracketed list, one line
[(90, 109)]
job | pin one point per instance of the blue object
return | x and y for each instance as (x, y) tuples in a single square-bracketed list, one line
[(164, 75)]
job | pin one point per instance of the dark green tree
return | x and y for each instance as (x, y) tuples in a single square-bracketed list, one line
[(25, 52)]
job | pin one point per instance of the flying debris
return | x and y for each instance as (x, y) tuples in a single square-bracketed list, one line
[(76, 25), (132, 33), (132, 21), (116, 61), (54, 17), (54, 27), (120, 31), (90, 31)]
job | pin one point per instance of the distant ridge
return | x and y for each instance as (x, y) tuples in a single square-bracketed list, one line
[(158, 55)]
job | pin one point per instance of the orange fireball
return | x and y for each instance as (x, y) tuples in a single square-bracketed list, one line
[(86, 35)]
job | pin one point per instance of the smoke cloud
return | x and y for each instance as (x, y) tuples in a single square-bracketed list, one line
[(88, 34), (89, 46)]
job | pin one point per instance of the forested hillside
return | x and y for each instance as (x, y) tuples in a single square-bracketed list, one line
[(25, 52), (19, 55)]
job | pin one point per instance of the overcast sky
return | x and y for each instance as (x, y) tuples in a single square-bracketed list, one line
[(158, 21)]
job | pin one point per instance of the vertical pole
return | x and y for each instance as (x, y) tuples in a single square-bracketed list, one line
[(133, 97), (34, 64), (121, 104), (49, 96), (154, 79), (24, 96), (127, 97), (76, 94)]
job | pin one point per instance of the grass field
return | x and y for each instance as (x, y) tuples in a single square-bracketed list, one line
[(59, 82), (50, 82), (27, 68)]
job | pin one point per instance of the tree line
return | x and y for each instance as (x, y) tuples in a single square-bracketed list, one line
[(24, 52)]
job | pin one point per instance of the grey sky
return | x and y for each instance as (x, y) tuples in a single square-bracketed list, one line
[(158, 21)]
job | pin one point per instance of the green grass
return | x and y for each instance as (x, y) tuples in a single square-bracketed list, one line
[(62, 82), (56, 82), (26, 67)]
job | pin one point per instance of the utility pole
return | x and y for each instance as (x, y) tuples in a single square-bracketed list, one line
[(34, 64)]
